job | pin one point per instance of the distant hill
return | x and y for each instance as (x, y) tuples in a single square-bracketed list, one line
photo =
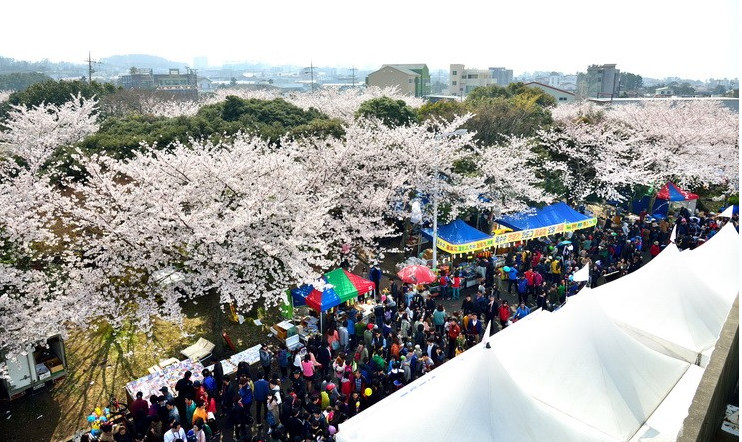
[(157, 64)]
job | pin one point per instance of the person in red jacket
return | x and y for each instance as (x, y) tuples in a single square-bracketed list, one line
[(504, 314), (453, 332), (655, 249)]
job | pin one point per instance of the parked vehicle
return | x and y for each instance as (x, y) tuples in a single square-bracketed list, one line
[(34, 369)]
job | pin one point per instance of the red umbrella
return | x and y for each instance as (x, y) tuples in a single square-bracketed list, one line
[(416, 274)]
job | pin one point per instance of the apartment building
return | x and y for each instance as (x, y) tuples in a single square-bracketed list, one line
[(409, 79)]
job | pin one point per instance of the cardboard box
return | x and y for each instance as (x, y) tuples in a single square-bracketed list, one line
[(54, 365)]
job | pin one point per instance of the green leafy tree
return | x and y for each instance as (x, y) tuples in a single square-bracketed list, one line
[(391, 112), (631, 82), (56, 92), (511, 90), (445, 110), (20, 81)]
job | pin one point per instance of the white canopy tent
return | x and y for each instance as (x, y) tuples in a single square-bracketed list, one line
[(471, 397), (678, 302), (578, 361)]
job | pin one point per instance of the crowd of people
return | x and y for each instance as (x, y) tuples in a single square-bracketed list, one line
[(357, 361)]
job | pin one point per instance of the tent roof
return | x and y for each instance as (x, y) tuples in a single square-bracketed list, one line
[(588, 368), (458, 232), (474, 381), (693, 296), (557, 213), (341, 286), (674, 193)]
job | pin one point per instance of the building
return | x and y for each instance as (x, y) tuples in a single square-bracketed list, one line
[(173, 81), (409, 79), (138, 79), (501, 76), (461, 80), (601, 81), (663, 92), (560, 95)]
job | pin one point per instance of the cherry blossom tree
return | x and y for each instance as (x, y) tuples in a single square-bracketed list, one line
[(33, 302), (691, 142), (608, 151), (512, 181)]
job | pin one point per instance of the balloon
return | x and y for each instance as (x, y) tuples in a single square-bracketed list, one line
[(98, 411), (332, 429), (506, 269), (383, 298), (368, 391), (96, 425), (103, 419), (106, 411), (91, 418), (94, 432)]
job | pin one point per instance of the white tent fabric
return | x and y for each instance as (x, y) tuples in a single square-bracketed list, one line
[(667, 420), (727, 213), (678, 302), (718, 262), (471, 397), (579, 362)]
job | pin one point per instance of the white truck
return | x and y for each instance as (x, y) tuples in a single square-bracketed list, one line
[(34, 369)]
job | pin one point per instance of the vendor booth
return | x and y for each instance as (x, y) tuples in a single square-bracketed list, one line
[(669, 195), (340, 286), (459, 238), (550, 220)]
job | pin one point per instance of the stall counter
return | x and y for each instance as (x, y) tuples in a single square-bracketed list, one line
[(150, 385)]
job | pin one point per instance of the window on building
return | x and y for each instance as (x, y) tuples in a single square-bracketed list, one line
[(453, 83), (454, 73), (410, 80), (562, 98)]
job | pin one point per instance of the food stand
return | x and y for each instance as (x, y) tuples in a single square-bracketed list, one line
[(339, 286), (167, 377)]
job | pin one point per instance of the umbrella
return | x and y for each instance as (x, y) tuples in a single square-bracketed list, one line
[(416, 274), (564, 243)]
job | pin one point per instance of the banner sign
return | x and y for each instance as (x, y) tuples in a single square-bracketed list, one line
[(512, 237)]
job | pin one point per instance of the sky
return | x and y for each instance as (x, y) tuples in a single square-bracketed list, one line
[(655, 39)]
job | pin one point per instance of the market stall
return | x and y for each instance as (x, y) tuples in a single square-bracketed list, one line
[(550, 220), (338, 286), (167, 377), (669, 195), (459, 238)]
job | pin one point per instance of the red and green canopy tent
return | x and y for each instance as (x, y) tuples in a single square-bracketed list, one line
[(341, 286)]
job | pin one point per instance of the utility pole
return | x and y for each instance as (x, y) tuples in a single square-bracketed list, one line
[(353, 70), (311, 71), (90, 69)]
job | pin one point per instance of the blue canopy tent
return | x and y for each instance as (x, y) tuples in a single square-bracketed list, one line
[(558, 213), (459, 237)]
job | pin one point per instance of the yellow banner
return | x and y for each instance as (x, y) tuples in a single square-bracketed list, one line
[(512, 237)]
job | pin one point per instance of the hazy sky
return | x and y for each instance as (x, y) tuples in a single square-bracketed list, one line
[(654, 38)]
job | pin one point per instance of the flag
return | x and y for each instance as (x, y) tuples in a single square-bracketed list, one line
[(673, 234)]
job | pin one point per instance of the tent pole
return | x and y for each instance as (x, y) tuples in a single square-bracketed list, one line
[(435, 231)]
